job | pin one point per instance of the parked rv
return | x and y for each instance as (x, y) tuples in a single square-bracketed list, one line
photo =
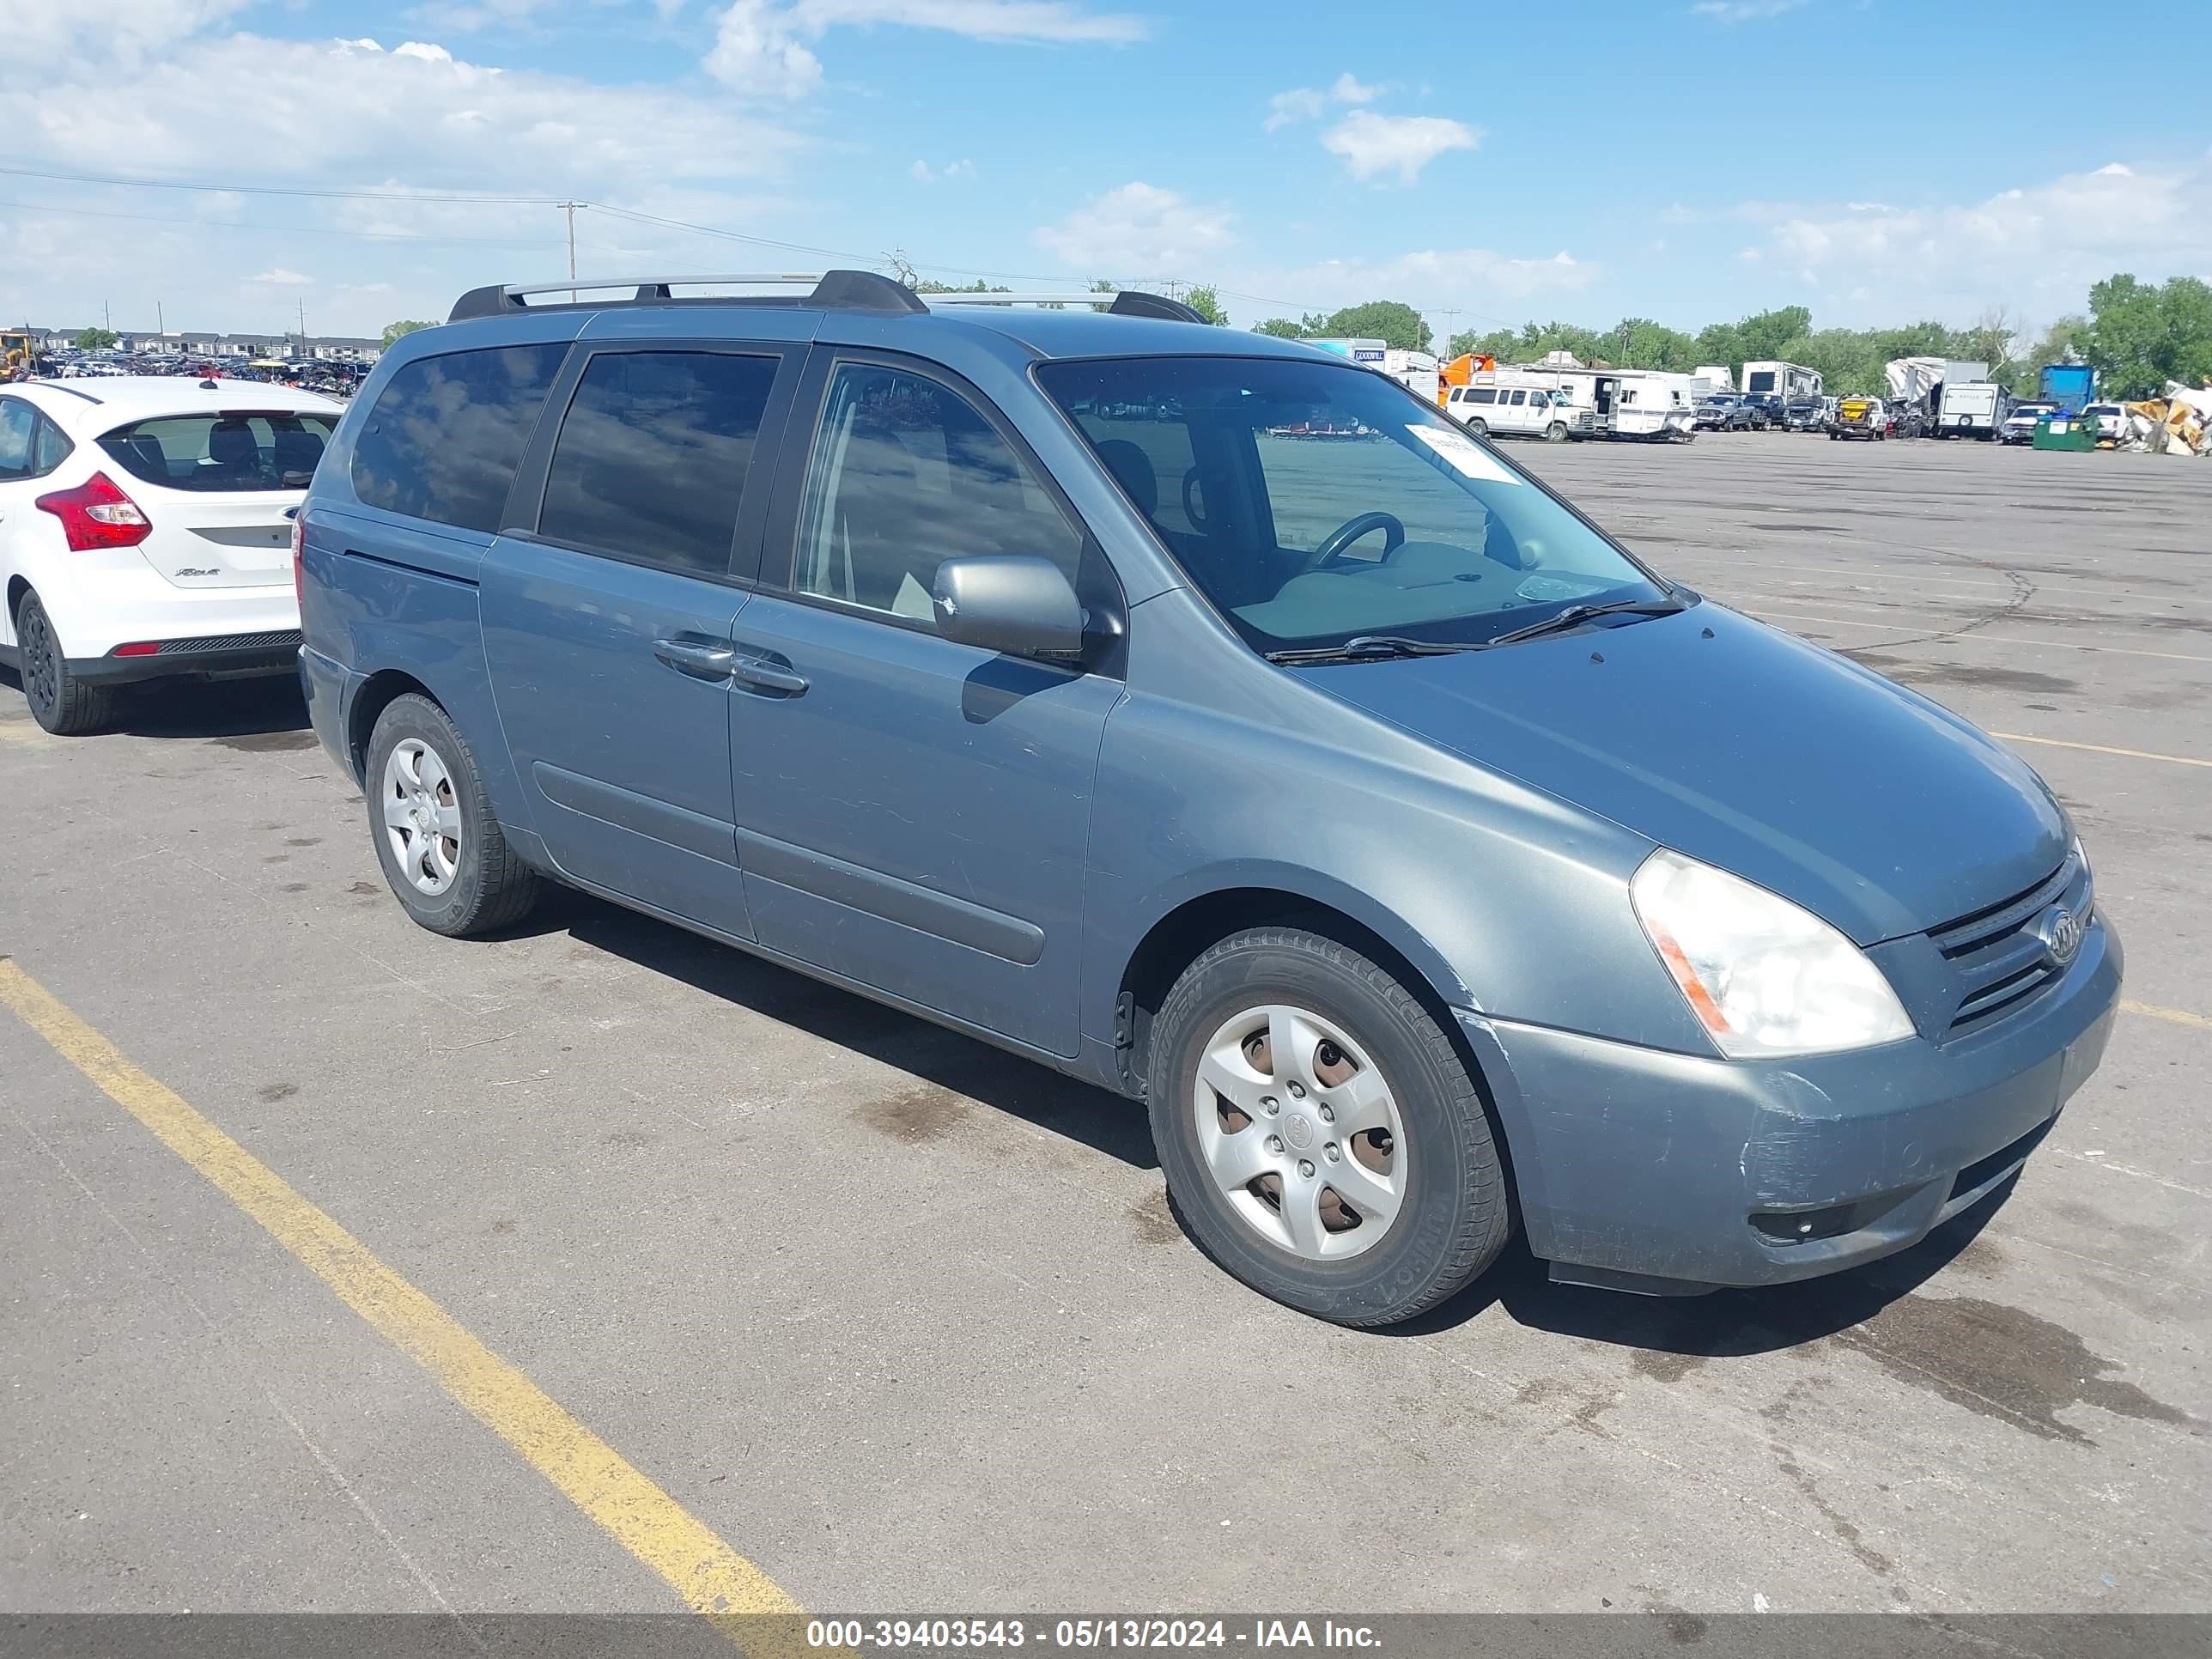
[(1651, 403), (1972, 409), (1783, 380)]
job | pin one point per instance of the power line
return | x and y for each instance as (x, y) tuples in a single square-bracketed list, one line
[(283, 190), (280, 230)]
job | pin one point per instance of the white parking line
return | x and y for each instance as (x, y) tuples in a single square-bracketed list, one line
[(1976, 636), (2101, 749), (1994, 581)]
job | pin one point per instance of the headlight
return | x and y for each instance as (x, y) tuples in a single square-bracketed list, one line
[(1763, 977)]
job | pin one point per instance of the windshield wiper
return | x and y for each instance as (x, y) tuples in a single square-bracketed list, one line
[(1369, 647), (1576, 614)]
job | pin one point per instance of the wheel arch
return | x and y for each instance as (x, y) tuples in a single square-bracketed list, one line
[(1183, 930), (378, 693)]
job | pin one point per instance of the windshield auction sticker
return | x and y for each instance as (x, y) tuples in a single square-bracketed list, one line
[(1463, 454)]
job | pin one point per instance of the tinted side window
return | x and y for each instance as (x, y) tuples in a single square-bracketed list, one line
[(906, 474), (19, 425), (652, 455), (447, 432), (1482, 395), (51, 449)]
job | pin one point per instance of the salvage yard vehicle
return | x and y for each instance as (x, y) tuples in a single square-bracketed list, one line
[(2019, 427), (1361, 808), (1509, 407), (1804, 414), (1728, 411), (143, 534), (1972, 409), (1861, 417)]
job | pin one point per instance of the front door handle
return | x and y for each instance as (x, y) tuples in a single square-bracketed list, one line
[(700, 659), (768, 676)]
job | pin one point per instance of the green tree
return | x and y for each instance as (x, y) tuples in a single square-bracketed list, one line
[(94, 339), (1281, 327), (2065, 341), (1207, 302), (2143, 335), (405, 326), (1387, 320)]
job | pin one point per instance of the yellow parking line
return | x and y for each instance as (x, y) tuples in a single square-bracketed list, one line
[(2178, 1016), (2101, 749), (712, 1577)]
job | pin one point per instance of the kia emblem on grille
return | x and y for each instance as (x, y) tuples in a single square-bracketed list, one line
[(2061, 930)]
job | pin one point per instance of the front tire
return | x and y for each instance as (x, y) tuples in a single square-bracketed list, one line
[(1555, 432), (1479, 427), (1321, 1137), (443, 853), (60, 701)]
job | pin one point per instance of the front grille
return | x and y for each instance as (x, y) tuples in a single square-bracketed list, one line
[(1998, 961), (277, 640)]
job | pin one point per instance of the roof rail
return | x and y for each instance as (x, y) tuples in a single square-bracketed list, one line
[(1127, 302), (843, 290), (837, 290)]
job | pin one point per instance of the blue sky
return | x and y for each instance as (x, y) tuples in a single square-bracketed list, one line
[(1684, 161)]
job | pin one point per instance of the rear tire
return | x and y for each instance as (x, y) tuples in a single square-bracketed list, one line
[(1361, 1117), (443, 853), (62, 703)]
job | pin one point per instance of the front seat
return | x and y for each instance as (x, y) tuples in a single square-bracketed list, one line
[(1133, 470)]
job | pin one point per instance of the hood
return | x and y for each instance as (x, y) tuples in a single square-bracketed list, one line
[(1875, 809)]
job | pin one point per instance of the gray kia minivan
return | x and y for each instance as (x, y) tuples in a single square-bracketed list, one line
[(1219, 722)]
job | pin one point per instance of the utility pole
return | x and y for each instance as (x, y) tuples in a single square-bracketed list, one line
[(1450, 314), (303, 327), (161, 323), (1624, 345), (570, 208)]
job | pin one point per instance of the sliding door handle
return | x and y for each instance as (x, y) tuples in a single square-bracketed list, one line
[(768, 676), (700, 659)]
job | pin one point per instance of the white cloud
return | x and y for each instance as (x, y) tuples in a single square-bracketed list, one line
[(282, 277), (1372, 143), (1307, 103), (754, 51), (1139, 230), (42, 34), (953, 172), (1434, 277), (759, 45), (1744, 11), (2038, 245)]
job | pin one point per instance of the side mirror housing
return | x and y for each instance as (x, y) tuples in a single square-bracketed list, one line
[(1019, 604)]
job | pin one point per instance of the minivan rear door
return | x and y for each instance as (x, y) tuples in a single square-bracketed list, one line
[(216, 485), (608, 609)]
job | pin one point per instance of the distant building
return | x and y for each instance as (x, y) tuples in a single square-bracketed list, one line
[(204, 343)]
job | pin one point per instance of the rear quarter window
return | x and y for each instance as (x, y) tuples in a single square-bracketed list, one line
[(446, 433)]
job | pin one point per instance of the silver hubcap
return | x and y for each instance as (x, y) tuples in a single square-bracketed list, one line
[(1300, 1132), (421, 818)]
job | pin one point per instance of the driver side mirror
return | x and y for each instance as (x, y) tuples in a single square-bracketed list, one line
[(1022, 605)]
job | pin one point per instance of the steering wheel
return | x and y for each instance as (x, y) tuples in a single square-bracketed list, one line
[(1333, 544)]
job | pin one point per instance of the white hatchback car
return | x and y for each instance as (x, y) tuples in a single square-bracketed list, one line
[(144, 532)]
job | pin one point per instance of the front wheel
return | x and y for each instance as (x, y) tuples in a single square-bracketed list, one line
[(442, 850), (1479, 427), (1555, 432), (1321, 1138), (60, 701)]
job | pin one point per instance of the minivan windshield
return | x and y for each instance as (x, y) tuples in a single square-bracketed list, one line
[(1317, 503)]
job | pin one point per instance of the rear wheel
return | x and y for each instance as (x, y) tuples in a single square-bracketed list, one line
[(60, 701), (1323, 1140), (442, 850)]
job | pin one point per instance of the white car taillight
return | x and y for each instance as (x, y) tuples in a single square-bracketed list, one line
[(96, 514)]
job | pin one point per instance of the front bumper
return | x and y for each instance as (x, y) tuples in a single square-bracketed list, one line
[(1647, 1169)]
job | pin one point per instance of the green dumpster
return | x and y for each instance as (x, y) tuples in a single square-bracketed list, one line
[(2065, 431)]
